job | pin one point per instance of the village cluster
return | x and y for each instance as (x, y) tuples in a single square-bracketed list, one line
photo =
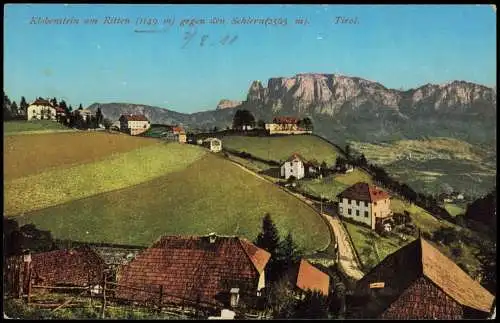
[(228, 272)]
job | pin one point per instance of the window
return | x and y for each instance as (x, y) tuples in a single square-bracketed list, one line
[(349, 211), (366, 214), (348, 201), (357, 203), (375, 203), (366, 203), (375, 214), (357, 212)]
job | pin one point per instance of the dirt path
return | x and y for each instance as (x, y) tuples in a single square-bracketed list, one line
[(347, 257)]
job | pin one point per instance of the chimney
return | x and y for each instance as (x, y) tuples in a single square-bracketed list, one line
[(212, 237)]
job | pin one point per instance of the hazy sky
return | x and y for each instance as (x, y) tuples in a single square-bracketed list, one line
[(398, 46)]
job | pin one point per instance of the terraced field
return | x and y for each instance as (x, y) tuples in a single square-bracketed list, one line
[(134, 192)]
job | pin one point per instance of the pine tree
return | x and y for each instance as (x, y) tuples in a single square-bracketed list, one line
[(23, 106), (14, 109), (288, 251), (53, 101), (269, 238)]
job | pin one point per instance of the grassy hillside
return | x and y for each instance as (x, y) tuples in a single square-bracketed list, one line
[(432, 164), (38, 126), (371, 247), (280, 148), (210, 194), (28, 155), (118, 171)]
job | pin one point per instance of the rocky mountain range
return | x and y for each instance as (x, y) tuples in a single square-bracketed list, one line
[(351, 108)]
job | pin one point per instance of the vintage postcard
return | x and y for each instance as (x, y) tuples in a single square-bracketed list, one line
[(249, 161)]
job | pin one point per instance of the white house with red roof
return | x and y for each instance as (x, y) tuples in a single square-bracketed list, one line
[(365, 203), (293, 166), (134, 124), (41, 109)]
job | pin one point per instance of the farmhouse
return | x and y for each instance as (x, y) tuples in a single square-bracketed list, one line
[(41, 109), (305, 276), (285, 125), (134, 124), (68, 267), (365, 204), (175, 133), (418, 282), (211, 270), (213, 144), (293, 166)]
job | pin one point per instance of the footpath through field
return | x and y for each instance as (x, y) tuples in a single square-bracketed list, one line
[(347, 256)]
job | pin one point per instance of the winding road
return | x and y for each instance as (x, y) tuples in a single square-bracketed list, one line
[(347, 256)]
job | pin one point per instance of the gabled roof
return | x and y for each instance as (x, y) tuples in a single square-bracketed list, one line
[(307, 277), (40, 101), (194, 268), (60, 110), (296, 156), (420, 259), (364, 192), (134, 117), (453, 280), (68, 266), (285, 120)]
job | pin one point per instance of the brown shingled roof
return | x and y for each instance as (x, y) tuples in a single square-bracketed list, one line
[(308, 277), (364, 192), (420, 259), (453, 280), (192, 268), (40, 101), (76, 267), (134, 117)]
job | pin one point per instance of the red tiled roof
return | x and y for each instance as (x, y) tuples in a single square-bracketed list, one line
[(285, 120), (178, 130), (311, 278), (296, 156), (364, 192), (60, 110), (134, 117), (43, 102), (70, 267), (193, 269)]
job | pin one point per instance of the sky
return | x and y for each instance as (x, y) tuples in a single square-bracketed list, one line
[(189, 68)]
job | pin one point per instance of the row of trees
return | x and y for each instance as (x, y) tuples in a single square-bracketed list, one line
[(13, 111), (285, 254), (245, 120)]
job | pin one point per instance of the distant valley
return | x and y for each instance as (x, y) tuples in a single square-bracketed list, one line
[(360, 112)]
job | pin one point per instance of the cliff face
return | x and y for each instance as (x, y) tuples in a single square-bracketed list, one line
[(337, 95), (350, 108), (227, 104)]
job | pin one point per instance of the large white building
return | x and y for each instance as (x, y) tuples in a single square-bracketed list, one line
[(293, 166), (41, 109), (134, 124), (364, 203)]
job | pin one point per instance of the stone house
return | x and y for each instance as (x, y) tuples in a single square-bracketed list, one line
[(365, 203), (418, 282)]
